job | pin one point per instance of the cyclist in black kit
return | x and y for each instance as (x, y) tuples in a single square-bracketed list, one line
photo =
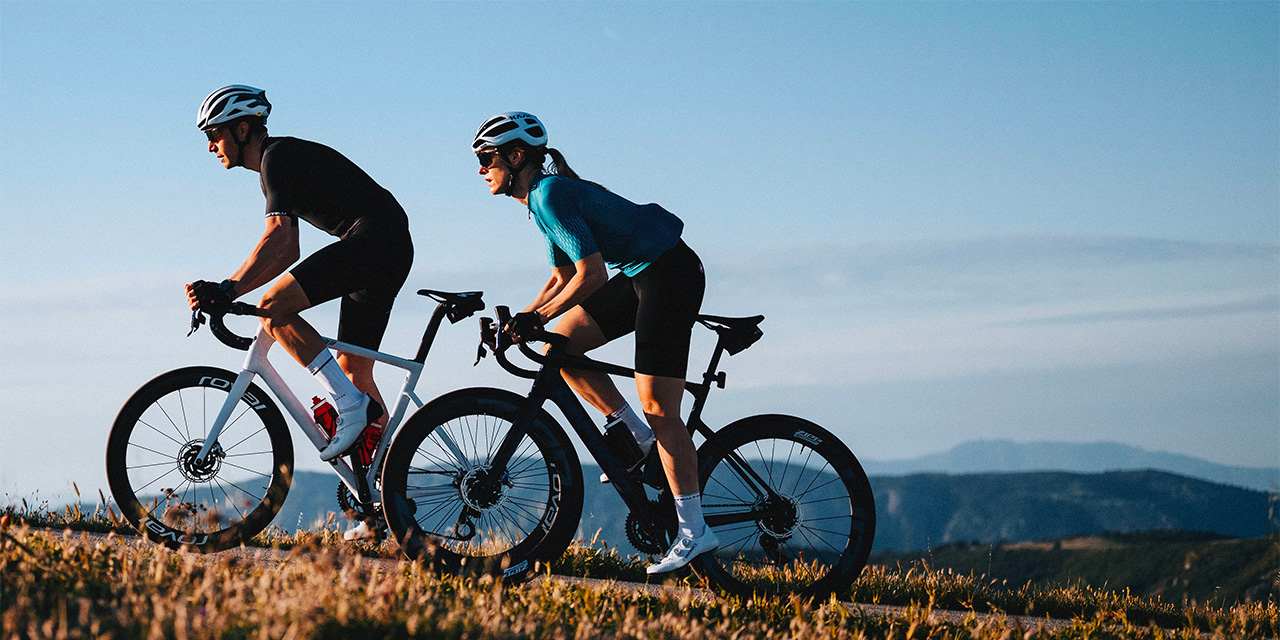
[(366, 266)]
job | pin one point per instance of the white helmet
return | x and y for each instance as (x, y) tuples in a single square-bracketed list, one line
[(231, 102), (512, 125)]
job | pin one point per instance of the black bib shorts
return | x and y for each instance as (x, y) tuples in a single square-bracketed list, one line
[(660, 304)]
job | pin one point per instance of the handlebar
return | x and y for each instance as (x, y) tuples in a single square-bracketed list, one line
[(455, 306), (220, 330), (494, 337)]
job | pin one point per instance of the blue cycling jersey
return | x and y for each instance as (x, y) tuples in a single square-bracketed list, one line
[(579, 219)]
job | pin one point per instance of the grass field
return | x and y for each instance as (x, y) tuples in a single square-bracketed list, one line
[(62, 585)]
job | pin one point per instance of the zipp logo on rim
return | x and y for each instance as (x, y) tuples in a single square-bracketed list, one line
[(219, 383), (808, 437)]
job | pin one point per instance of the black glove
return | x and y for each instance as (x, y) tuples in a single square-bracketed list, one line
[(211, 297), (524, 326)]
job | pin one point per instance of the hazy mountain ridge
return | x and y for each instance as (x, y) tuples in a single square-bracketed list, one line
[(924, 510), (927, 510), (983, 456)]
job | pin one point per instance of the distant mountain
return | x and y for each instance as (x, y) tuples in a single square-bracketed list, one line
[(985, 456), (926, 510)]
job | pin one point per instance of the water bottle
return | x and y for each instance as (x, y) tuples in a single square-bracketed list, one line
[(326, 415)]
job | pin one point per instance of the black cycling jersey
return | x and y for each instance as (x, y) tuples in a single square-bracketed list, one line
[(316, 183), (370, 261)]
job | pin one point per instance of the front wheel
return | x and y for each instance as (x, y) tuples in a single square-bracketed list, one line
[(179, 501), (790, 504), (445, 502)]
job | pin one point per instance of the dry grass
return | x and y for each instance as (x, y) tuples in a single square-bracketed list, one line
[(61, 585)]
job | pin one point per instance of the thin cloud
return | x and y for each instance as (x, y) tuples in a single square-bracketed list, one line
[(1270, 303)]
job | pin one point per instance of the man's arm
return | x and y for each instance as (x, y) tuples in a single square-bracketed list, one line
[(276, 250)]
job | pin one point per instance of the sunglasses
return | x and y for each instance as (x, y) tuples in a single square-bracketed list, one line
[(486, 158), (214, 134)]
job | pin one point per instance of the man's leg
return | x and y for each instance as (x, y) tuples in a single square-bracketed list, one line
[(282, 303)]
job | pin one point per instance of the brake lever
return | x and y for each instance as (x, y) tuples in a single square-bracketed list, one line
[(488, 339), (197, 319)]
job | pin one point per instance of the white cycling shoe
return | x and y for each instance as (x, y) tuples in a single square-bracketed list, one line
[(360, 532), (684, 550), (645, 448), (351, 424)]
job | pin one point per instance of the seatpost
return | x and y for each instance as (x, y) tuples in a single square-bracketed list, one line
[(429, 335)]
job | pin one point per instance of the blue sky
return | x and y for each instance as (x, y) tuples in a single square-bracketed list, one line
[(1034, 221)]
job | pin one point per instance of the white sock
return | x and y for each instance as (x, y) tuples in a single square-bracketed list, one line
[(639, 428), (689, 512), (334, 380)]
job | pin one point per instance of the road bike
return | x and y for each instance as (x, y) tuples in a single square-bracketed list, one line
[(485, 479), (201, 457)]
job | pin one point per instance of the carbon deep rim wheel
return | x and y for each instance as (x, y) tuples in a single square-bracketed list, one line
[(811, 535), (445, 503), (179, 501)]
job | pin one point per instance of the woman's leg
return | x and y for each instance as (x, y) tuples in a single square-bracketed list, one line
[(660, 397), (595, 387)]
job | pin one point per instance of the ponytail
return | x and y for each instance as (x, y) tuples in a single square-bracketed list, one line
[(560, 167)]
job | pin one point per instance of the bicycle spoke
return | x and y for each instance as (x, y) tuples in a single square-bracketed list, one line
[(162, 434)]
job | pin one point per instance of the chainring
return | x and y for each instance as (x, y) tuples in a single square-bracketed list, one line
[(357, 510), (644, 538)]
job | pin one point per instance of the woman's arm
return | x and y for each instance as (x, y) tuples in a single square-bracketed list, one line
[(570, 285)]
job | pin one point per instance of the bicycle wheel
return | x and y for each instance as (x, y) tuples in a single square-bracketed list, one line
[(160, 487), (808, 533), (444, 502)]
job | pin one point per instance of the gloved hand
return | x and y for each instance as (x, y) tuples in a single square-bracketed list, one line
[(210, 297), (524, 326)]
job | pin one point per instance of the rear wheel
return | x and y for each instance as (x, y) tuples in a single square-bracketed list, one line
[(801, 522), (446, 503), (181, 502)]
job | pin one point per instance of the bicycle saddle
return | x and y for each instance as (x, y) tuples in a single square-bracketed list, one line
[(735, 333)]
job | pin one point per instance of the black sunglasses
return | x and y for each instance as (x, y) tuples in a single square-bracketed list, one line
[(212, 134), (486, 158)]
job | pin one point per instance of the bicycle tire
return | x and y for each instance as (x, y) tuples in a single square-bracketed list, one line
[(427, 489), (813, 539), (156, 482)]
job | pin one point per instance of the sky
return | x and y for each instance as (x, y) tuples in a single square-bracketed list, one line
[(1033, 221)]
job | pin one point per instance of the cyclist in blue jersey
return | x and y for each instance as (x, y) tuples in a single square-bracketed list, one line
[(365, 267), (656, 293)]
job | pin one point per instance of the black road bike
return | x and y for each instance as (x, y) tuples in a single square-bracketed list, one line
[(485, 479)]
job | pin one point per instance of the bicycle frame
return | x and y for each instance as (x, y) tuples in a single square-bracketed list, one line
[(549, 384), (256, 364)]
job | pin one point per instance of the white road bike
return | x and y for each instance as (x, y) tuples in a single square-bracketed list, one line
[(201, 457)]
